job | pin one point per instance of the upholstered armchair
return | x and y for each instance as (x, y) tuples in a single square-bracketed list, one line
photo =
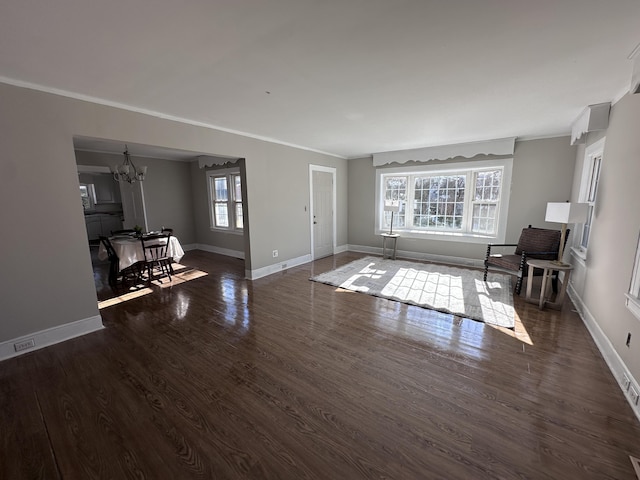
[(533, 243)]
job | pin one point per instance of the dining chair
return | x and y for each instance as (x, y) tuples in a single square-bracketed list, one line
[(170, 232), (131, 273), (114, 261), (156, 259)]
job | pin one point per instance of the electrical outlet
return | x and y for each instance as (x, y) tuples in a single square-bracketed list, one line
[(634, 396), (626, 381), (275, 253), (24, 345)]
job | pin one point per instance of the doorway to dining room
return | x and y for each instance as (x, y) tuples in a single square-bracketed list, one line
[(173, 194)]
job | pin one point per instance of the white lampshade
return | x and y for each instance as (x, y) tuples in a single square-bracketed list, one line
[(565, 212), (392, 206)]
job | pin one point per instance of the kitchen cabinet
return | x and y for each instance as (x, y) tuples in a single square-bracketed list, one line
[(94, 226), (106, 188), (102, 224)]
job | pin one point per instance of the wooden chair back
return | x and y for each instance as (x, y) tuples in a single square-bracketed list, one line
[(156, 257)]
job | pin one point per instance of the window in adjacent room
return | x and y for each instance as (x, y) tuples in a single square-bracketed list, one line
[(225, 199), (87, 195), (589, 191), (464, 202)]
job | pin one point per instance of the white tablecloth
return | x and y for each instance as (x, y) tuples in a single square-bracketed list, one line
[(129, 250)]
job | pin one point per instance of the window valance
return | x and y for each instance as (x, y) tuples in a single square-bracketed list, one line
[(209, 161), (593, 118), (502, 146)]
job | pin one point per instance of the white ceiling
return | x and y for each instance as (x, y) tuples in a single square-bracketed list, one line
[(347, 77)]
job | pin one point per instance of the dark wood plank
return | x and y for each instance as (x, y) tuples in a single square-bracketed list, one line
[(26, 450), (215, 376)]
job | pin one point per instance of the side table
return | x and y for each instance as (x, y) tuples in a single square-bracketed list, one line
[(393, 238), (548, 267)]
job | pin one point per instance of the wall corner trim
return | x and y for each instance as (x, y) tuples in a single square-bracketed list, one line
[(51, 336)]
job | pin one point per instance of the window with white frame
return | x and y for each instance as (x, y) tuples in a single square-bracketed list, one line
[(589, 190), (225, 199), (633, 297), (87, 195), (468, 200)]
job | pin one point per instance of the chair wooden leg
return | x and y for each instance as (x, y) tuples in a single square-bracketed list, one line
[(518, 286), (113, 273)]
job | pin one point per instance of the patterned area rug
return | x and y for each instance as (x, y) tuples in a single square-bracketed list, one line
[(459, 291)]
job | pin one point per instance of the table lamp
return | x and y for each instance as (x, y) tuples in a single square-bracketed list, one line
[(392, 206), (564, 213)]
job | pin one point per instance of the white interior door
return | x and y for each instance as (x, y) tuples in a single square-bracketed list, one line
[(322, 212), (133, 205)]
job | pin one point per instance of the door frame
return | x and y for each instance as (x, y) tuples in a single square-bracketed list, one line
[(332, 171)]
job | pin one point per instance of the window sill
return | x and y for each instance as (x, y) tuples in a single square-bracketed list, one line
[(633, 304), (579, 255), (444, 236), (226, 230)]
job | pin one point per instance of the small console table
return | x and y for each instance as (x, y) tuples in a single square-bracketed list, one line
[(548, 267), (393, 239)]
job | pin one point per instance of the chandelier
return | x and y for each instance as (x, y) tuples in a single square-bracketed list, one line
[(128, 172)]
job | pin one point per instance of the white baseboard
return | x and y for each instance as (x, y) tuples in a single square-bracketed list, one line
[(280, 266), (277, 267), (340, 249), (51, 336), (611, 357), (222, 251), (429, 257)]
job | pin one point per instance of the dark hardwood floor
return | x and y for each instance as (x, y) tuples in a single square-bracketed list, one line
[(218, 377)]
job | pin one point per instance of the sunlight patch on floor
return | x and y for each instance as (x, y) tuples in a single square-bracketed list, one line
[(519, 331), (179, 278), (138, 291), (177, 266), (407, 288), (124, 298)]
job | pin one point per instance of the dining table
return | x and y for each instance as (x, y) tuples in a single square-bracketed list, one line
[(129, 250)]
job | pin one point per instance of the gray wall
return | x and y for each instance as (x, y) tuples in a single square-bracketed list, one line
[(167, 191), (603, 280), (278, 201), (39, 193), (542, 172)]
